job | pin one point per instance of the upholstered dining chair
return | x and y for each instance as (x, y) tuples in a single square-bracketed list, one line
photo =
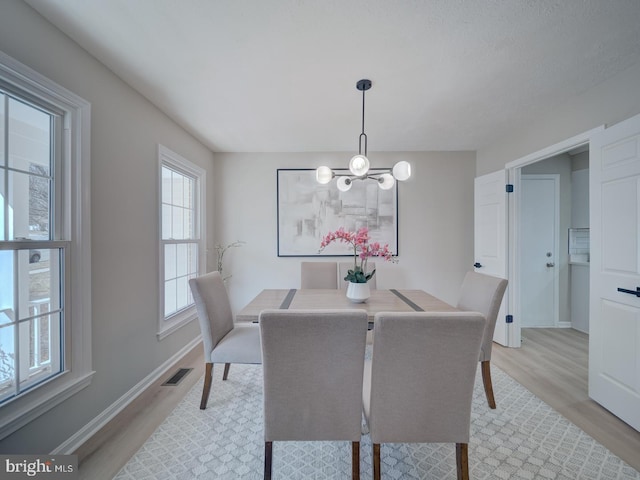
[(313, 362), (319, 275), (344, 267), (223, 341), (418, 384), (483, 293)]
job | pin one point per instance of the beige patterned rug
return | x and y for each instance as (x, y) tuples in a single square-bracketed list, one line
[(523, 438)]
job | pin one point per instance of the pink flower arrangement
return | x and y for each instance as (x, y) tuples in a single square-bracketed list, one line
[(362, 250)]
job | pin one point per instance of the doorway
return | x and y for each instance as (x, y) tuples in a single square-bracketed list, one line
[(550, 287)]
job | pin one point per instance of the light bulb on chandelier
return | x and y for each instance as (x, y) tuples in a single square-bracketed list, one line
[(359, 165)]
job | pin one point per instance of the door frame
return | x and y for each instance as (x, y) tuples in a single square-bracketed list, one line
[(556, 240), (513, 174)]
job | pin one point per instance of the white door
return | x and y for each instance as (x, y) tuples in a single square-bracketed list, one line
[(614, 331), (538, 221), (490, 235)]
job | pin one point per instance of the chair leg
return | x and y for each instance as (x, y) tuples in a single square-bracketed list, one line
[(268, 454), (207, 385), (376, 461), (462, 460), (226, 371), (355, 460), (486, 379)]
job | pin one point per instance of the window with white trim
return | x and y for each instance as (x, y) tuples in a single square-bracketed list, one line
[(45, 353), (181, 237)]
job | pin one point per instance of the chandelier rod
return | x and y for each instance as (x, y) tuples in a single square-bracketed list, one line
[(364, 89)]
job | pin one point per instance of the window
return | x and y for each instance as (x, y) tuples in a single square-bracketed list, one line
[(32, 306), (45, 353), (181, 237)]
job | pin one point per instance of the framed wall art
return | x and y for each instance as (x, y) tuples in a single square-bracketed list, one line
[(308, 210)]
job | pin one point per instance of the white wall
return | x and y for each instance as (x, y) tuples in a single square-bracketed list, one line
[(125, 132), (435, 220), (609, 102)]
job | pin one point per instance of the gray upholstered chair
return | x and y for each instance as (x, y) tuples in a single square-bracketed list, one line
[(418, 385), (313, 363), (319, 275), (344, 267), (223, 341), (483, 293)]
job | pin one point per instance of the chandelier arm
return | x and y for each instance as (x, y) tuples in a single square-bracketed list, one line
[(352, 177)]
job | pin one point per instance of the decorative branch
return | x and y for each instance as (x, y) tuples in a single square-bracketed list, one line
[(221, 249)]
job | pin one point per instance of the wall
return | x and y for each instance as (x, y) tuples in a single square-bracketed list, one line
[(580, 161), (609, 102), (580, 219), (125, 132), (435, 220)]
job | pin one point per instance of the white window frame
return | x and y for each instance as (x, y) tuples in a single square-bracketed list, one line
[(168, 325), (73, 217)]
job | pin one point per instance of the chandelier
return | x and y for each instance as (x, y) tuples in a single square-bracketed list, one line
[(359, 164)]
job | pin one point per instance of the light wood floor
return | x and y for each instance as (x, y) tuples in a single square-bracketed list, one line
[(102, 457), (552, 363)]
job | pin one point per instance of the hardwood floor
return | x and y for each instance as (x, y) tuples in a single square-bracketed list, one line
[(102, 457), (552, 364)]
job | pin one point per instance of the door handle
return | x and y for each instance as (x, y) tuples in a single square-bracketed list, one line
[(551, 264), (631, 292), (477, 265)]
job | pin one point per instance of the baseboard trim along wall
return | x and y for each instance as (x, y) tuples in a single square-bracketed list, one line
[(85, 433)]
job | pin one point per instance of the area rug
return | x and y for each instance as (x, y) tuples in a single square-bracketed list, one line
[(523, 438)]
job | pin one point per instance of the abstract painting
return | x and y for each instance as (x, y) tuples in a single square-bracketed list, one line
[(308, 210)]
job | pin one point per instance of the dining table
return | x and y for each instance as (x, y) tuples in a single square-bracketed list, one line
[(391, 300)]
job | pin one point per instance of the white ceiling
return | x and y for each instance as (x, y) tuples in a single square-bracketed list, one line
[(280, 75)]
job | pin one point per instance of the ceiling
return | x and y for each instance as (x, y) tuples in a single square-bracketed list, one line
[(280, 75)]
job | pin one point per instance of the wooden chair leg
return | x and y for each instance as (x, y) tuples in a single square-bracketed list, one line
[(268, 454), (376, 461), (462, 460), (226, 371), (207, 385), (486, 379), (355, 460)]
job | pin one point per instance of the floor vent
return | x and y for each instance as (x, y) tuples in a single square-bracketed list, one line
[(177, 377)]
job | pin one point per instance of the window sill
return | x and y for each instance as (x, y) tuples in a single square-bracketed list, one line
[(180, 320), (26, 408)]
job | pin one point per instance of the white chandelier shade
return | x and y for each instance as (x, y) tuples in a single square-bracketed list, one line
[(359, 165), (402, 171)]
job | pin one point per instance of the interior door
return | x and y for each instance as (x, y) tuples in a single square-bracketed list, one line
[(538, 241), (490, 237), (614, 340)]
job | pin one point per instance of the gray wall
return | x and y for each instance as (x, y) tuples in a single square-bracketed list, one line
[(125, 132), (435, 220), (580, 219)]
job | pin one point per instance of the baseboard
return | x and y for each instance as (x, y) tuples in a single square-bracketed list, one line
[(85, 433)]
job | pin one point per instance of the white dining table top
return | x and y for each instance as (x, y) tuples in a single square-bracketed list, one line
[(379, 301)]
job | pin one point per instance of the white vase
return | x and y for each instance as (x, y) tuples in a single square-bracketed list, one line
[(358, 292)]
